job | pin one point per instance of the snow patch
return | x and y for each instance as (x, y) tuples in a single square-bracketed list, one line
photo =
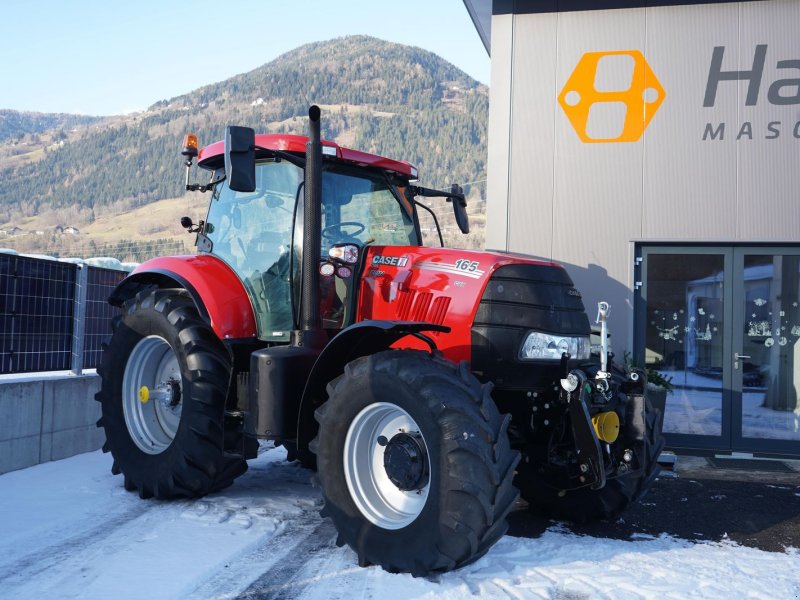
[(104, 262), (40, 256), (70, 530)]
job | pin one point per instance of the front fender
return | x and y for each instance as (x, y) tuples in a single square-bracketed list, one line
[(361, 339), (217, 292)]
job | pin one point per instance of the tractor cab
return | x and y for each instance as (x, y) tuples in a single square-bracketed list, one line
[(259, 235), (258, 232)]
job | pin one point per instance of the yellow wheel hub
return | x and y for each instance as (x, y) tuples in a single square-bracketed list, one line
[(606, 425), (144, 394)]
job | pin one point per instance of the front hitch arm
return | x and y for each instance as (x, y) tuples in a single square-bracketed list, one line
[(587, 446)]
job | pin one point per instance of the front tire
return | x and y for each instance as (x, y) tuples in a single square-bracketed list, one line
[(165, 377), (414, 462)]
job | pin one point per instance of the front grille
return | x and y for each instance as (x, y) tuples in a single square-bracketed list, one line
[(518, 299), (532, 297)]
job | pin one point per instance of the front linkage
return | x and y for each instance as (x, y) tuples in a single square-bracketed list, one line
[(602, 442), (600, 408)]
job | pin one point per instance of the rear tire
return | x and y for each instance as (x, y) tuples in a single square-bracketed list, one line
[(584, 504), (169, 446), (458, 485)]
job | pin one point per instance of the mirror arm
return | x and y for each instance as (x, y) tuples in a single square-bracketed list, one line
[(188, 164), (198, 187), (435, 220), (431, 193), (295, 160)]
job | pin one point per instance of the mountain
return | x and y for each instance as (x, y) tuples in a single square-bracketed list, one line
[(15, 125), (394, 100)]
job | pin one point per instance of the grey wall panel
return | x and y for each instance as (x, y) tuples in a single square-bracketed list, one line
[(499, 134), (670, 184), (690, 183), (532, 154), (598, 186), (769, 169)]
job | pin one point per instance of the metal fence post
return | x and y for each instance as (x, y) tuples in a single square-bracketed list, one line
[(79, 318)]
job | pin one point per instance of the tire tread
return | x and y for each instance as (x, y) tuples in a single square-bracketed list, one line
[(477, 493), (201, 466)]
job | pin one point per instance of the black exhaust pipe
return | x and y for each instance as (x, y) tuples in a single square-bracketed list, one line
[(312, 333)]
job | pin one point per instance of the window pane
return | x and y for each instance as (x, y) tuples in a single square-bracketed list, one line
[(684, 335), (360, 208), (771, 374), (251, 232)]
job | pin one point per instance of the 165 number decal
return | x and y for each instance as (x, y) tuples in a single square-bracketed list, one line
[(463, 264)]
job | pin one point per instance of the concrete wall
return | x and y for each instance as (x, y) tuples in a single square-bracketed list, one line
[(47, 419)]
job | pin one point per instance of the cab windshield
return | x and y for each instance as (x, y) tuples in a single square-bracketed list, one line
[(252, 233)]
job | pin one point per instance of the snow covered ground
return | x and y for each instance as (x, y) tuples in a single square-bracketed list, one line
[(69, 530)]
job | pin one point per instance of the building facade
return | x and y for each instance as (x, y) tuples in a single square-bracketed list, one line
[(654, 150)]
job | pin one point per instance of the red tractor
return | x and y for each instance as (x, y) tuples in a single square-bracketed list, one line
[(413, 379)]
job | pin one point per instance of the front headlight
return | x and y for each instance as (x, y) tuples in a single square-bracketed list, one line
[(544, 346)]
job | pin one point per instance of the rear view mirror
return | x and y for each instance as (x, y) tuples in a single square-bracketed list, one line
[(460, 208), (240, 158)]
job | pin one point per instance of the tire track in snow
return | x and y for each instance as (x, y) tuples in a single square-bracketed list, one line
[(270, 567), (283, 581), (51, 555)]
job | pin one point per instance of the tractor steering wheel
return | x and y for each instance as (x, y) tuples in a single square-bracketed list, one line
[(329, 232)]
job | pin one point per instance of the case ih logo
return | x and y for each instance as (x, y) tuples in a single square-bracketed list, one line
[(395, 261), (611, 96)]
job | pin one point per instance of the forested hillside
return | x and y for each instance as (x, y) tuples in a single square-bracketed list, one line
[(14, 125), (376, 96)]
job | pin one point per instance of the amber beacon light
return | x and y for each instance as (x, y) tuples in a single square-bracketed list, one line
[(190, 145)]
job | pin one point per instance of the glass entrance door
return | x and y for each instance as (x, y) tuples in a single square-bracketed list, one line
[(766, 346), (685, 308), (723, 325)]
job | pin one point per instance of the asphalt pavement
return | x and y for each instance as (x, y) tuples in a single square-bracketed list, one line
[(696, 501)]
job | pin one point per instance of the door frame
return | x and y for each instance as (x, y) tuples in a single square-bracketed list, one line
[(685, 441), (730, 438)]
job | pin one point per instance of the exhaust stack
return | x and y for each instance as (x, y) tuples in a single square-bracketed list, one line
[(312, 334)]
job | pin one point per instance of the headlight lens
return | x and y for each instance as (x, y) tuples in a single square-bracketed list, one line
[(543, 346)]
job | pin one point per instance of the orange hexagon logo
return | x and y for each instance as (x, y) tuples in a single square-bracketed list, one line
[(611, 96)]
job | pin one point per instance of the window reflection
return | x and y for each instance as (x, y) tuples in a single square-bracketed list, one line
[(771, 374), (684, 338)]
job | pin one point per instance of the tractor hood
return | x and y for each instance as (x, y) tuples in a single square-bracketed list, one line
[(465, 290)]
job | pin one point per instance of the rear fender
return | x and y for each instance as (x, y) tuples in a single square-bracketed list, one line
[(361, 339), (218, 294)]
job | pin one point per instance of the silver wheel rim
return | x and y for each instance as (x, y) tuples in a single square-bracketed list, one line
[(152, 423), (374, 494)]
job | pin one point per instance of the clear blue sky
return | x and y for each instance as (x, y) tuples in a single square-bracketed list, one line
[(106, 57)]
